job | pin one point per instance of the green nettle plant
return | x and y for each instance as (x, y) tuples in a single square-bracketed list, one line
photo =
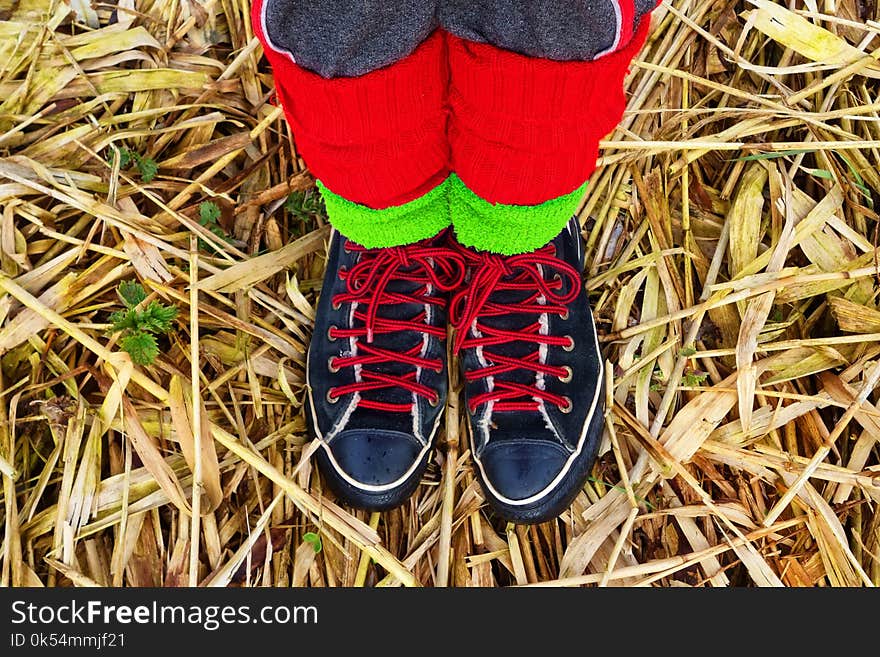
[(139, 328), (146, 166), (314, 540), (209, 213), (304, 205)]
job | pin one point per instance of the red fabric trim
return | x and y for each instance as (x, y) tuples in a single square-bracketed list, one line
[(525, 130), (379, 139)]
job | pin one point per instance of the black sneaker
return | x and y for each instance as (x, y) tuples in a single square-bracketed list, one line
[(533, 375), (376, 371)]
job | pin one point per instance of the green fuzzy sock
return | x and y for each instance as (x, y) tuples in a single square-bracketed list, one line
[(508, 229), (495, 227), (411, 222)]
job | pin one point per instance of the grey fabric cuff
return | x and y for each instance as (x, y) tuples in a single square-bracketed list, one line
[(563, 30), (346, 38)]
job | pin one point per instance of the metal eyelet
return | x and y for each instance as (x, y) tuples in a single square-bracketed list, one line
[(571, 346), (434, 402), (569, 374), (331, 400), (329, 331), (564, 316), (336, 306), (569, 406), (333, 370)]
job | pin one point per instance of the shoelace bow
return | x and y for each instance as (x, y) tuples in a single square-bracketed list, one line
[(525, 273), (367, 284)]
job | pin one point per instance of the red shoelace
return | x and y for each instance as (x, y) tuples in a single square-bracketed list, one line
[(527, 273), (435, 269)]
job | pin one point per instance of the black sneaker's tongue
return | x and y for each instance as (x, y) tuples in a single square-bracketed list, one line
[(531, 423), (396, 342)]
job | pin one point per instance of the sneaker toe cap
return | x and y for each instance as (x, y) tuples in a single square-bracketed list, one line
[(519, 470), (372, 457)]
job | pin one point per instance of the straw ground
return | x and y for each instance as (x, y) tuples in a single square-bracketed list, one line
[(161, 248)]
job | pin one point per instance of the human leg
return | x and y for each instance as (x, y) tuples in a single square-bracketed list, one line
[(373, 133), (528, 112), (363, 85), (526, 120)]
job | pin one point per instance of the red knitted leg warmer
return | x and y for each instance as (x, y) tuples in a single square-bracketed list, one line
[(378, 140), (524, 130)]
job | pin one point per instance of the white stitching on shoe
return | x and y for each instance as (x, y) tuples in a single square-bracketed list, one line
[(342, 473), (489, 408), (618, 14), (574, 232), (344, 419), (372, 488), (540, 379), (324, 440), (571, 459), (417, 413)]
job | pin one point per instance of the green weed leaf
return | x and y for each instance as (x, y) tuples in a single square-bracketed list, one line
[(124, 157), (209, 213), (314, 540), (131, 293), (139, 327), (147, 167), (141, 346), (124, 320), (157, 318), (694, 379)]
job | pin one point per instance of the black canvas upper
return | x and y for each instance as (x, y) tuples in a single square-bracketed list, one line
[(542, 454), (365, 447)]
